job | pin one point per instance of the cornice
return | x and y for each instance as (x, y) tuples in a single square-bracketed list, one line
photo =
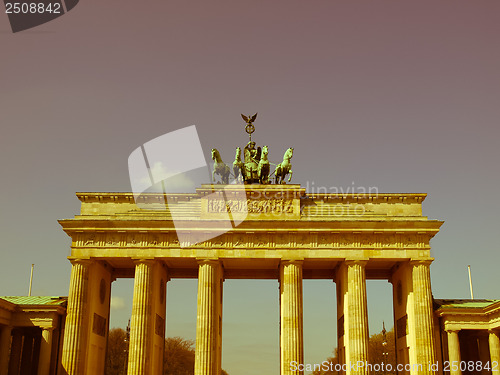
[(469, 311), (103, 197), (113, 223)]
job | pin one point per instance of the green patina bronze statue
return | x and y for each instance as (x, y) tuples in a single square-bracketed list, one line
[(220, 167), (255, 167)]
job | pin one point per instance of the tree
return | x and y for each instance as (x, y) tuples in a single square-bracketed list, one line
[(116, 359), (376, 350), (331, 361), (179, 355)]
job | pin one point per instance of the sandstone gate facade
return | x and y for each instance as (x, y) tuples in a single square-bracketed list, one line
[(287, 235)]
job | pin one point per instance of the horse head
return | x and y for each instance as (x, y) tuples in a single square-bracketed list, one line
[(265, 151), (215, 154)]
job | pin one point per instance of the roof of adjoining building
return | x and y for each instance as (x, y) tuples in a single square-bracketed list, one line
[(36, 300), (464, 303)]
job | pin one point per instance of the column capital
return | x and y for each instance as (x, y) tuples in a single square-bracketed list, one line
[(493, 331), (82, 261), (149, 261), (201, 261), (418, 262), (451, 331), (353, 262), (292, 261)]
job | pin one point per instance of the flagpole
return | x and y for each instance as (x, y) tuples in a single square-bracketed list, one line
[(470, 283), (31, 280)]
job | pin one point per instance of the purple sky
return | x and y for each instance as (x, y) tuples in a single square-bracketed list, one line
[(401, 95)]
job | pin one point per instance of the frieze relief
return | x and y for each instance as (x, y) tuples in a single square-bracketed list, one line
[(112, 240), (239, 240), (262, 241), (252, 206), (258, 240), (324, 240), (219, 241), (282, 240)]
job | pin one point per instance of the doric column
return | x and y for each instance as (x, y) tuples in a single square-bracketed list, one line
[(45, 351), (5, 336), (141, 322), (494, 342), (27, 356), (15, 352), (356, 345), (75, 333), (208, 345), (291, 335), (36, 352), (454, 352), (423, 314)]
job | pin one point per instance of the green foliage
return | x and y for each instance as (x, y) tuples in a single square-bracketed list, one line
[(178, 358), (116, 358), (376, 350), (331, 360)]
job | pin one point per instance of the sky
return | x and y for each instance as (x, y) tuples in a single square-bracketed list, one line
[(399, 95)]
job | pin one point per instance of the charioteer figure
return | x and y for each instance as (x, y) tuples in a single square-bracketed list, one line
[(252, 158)]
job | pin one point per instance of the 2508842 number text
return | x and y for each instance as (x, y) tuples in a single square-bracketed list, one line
[(470, 366), (32, 8)]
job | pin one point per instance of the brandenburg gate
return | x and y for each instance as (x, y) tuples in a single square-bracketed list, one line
[(286, 235), (250, 230)]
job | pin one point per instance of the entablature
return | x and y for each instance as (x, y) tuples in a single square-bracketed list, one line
[(257, 202)]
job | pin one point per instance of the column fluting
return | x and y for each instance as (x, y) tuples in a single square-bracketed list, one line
[(357, 316), (291, 307), (423, 315), (73, 353), (207, 321), (141, 320)]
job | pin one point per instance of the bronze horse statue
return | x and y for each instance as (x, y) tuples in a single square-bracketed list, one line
[(284, 168), (263, 167), (238, 166), (220, 167)]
